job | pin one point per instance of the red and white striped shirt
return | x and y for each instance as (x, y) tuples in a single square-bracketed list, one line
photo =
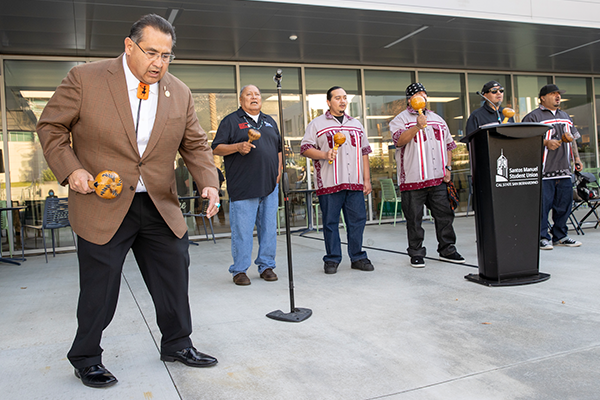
[(346, 171), (421, 162)]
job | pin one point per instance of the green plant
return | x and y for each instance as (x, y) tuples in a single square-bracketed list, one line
[(48, 175)]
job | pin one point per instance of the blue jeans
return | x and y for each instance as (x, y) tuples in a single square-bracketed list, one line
[(352, 203), (436, 199), (243, 215), (557, 195)]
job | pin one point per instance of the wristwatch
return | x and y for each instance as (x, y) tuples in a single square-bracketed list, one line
[(449, 168)]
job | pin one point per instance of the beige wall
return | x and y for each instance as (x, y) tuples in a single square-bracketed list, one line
[(558, 12)]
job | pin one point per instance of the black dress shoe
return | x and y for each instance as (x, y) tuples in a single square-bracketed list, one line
[(190, 357), (95, 376)]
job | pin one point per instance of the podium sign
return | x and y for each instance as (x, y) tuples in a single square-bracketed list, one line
[(506, 165)]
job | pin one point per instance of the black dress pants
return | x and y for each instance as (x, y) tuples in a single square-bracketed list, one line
[(436, 199), (163, 260)]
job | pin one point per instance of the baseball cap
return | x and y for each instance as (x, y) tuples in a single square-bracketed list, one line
[(491, 84), (551, 88)]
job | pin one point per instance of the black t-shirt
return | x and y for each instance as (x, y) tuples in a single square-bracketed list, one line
[(484, 115), (255, 174)]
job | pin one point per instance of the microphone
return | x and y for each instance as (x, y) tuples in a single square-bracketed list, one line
[(496, 106), (278, 75)]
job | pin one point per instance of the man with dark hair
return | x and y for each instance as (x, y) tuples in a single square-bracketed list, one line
[(154, 21), (424, 160), (343, 179), (559, 145), (253, 172), (130, 115), (490, 111)]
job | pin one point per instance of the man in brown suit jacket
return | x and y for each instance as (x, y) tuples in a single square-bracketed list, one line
[(95, 122)]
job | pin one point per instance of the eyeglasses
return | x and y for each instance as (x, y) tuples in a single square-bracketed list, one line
[(494, 91), (152, 55)]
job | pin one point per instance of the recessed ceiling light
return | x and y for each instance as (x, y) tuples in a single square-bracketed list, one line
[(293, 37), (421, 29), (574, 48), (172, 14)]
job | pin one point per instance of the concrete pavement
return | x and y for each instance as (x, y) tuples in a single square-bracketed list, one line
[(395, 333)]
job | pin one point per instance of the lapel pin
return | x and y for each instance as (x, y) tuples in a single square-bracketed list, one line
[(167, 93)]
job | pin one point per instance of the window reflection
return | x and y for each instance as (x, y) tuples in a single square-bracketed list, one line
[(527, 89), (320, 80), (293, 125), (385, 99), (594, 137), (29, 86), (476, 82), (446, 97), (577, 102)]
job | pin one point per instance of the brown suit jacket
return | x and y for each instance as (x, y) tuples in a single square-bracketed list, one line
[(88, 124)]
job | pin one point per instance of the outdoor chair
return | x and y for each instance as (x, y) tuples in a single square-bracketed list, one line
[(388, 195), (585, 184), (199, 212), (56, 216)]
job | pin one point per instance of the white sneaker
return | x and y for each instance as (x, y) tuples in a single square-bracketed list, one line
[(545, 245), (568, 242)]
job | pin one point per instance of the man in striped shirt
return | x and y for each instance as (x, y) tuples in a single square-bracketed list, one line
[(342, 177), (423, 157), (559, 146)]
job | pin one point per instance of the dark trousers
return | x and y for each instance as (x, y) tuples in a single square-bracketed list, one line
[(352, 204), (557, 195), (163, 260), (436, 199)]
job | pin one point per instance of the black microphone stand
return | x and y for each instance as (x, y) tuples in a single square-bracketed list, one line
[(295, 314), (494, 104)]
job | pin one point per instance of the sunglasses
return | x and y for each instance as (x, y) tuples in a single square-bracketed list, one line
[(494, 91)]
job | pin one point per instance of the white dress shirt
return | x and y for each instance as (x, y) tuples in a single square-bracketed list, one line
[(147, 113)]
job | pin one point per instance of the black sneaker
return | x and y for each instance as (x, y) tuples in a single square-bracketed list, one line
[(363, 265), (567, 241), (330, 267), (545, 244), (417, 262), (453, 258)]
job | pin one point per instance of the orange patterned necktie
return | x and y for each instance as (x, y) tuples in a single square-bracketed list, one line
[(143, 91)]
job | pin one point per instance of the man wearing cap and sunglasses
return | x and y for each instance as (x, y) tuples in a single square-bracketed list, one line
[(559, 146), (490, 111)]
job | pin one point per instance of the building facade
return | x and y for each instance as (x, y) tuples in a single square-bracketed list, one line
[(375, 93)]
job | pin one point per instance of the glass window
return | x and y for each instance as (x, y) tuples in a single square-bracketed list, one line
[(293, 113), (577, 101), (293, 124), (476, 82), (527, 88), (214, 92), (385, 99), (29, 86), (597, 91), (446, 96), (215, 97), (320, 80)]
